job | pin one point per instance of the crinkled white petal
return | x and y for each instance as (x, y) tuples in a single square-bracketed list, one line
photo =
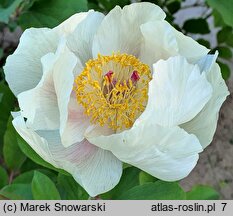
[(166, 153), (177, 92), (120, 29), (97, 170), (159, 42), (76, 124), (41, 110), (48, 100), (80, 41), (69, 25), (23, 68), (63, 78), (205, 123), (189, 48), (39, 105)]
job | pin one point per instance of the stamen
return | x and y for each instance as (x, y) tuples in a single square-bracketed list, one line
[(115, 98)]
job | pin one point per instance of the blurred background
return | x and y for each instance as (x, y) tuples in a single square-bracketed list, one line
[(209, 22)]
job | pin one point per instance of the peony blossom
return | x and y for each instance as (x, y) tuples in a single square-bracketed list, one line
[(97, 91)]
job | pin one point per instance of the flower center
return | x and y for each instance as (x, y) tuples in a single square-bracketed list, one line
[(113, 90)]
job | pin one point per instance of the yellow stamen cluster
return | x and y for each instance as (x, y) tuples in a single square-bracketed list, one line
[(107, 92)]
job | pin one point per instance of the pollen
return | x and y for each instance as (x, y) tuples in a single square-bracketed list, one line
[(113, 90)]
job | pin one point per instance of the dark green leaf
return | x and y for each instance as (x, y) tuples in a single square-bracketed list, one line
[(199, 26), (45, 13), (218, 20), (109, 5), (13, 156), (173, 6), (224, 34), (225, 8), (3, 177), (158, 190), (229, 41), (6, 106), (202, 192), (204, 42), (5, 13), (26, 178), (145, 178), (17, 192), (29, 165), (1, 53), (70, 189), (43, 188), (225, 70), (129, 179), (224, 52)]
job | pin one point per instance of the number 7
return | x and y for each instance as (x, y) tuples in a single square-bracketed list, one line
[(224, 205)]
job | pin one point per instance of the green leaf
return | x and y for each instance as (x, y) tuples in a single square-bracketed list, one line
[(129, 179), (173, 6), (6, 105), (70, 189), (109, 5), (225, 70), (204, 42), (3, 177), (158, 190), (43, 188), (45, 13), (218, 20), (229, 41), (225, 8), (145, 178), (199, 26), (26, 178), (202, 192), (29, 152), (224, 34), (5, 13), (1, 53), (224, 52), (17, 192), (13, 156)]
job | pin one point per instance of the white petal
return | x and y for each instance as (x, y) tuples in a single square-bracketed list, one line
[(80, 41), (162, 41), (42, 110), (120, 29), (23, 68), (63, 78), (177, 92), (166, 153), (206, 63), (76, 124), (69, 25), (95, 169), (205, 123), (159, 42), (38, 144), (189, 48)]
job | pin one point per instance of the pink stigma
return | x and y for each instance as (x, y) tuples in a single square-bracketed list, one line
[(135, 77), (109, 75)]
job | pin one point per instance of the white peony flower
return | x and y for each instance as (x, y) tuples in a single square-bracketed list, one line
[(99, 90)]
